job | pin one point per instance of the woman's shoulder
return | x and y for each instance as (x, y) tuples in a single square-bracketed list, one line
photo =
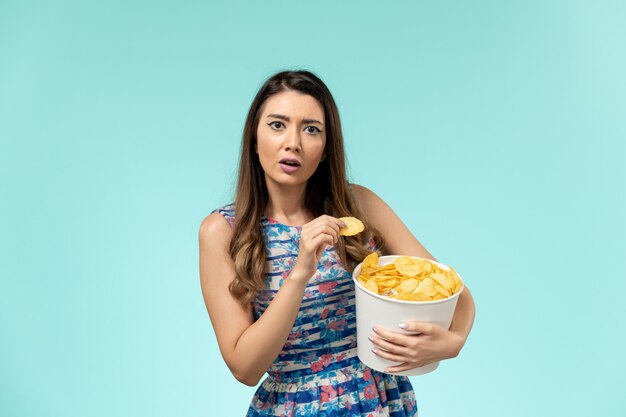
[(374, 208), (221, 219), (356, 188), (364, 197), (227, 211)]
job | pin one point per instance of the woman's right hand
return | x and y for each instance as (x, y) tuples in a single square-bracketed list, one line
[(314, 237)]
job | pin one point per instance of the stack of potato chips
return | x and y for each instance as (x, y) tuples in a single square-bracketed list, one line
[(409, 278)]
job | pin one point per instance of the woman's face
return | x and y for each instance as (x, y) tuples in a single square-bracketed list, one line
[(291, 127)]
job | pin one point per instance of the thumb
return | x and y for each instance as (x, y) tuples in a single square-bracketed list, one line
[(417, 326)]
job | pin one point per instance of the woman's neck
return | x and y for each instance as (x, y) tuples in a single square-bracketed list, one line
[(286, 204)]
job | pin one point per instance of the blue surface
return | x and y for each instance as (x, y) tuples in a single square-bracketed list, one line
[(494, 129)]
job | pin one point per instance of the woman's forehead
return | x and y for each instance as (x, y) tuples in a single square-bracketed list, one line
[(294, 105)]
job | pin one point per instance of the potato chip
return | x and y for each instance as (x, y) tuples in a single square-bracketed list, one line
[(409, 278), (408, 285), (443, 279), (372, 286), (387, 283), (383, 277), (426, 287), (444, 292), (427, 268), (353, 226), (369, 263), (457, 281), (362, 279), (407, 266)]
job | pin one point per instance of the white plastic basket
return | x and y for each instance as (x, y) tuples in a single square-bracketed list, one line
[(380, 311)]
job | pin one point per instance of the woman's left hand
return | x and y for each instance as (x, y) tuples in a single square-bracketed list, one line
[(432, 344)]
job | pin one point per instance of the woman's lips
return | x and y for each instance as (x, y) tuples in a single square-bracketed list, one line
[(289, 169)]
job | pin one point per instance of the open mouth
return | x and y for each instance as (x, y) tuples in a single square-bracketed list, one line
[(290, 162)]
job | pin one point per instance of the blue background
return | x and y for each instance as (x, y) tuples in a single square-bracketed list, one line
[(494, 129)]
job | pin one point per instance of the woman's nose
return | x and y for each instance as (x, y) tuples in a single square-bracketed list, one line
[(292, 141)]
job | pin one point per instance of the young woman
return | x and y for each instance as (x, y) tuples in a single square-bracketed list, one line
[(276, 274)]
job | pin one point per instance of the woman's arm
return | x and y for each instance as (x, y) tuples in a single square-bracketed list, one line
[(435, 343), (250, 347)]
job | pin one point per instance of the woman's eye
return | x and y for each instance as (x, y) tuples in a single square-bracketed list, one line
[(273, 124), (314, 129)]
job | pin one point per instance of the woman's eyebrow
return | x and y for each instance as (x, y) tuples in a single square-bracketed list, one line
[(287, 119)]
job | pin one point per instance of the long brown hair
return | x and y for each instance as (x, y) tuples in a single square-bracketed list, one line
[(327, 191)]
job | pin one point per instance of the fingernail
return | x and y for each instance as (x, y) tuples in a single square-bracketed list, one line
[(343, 224), (375, 329), (374, 351), (403, 326), (370, 338)]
